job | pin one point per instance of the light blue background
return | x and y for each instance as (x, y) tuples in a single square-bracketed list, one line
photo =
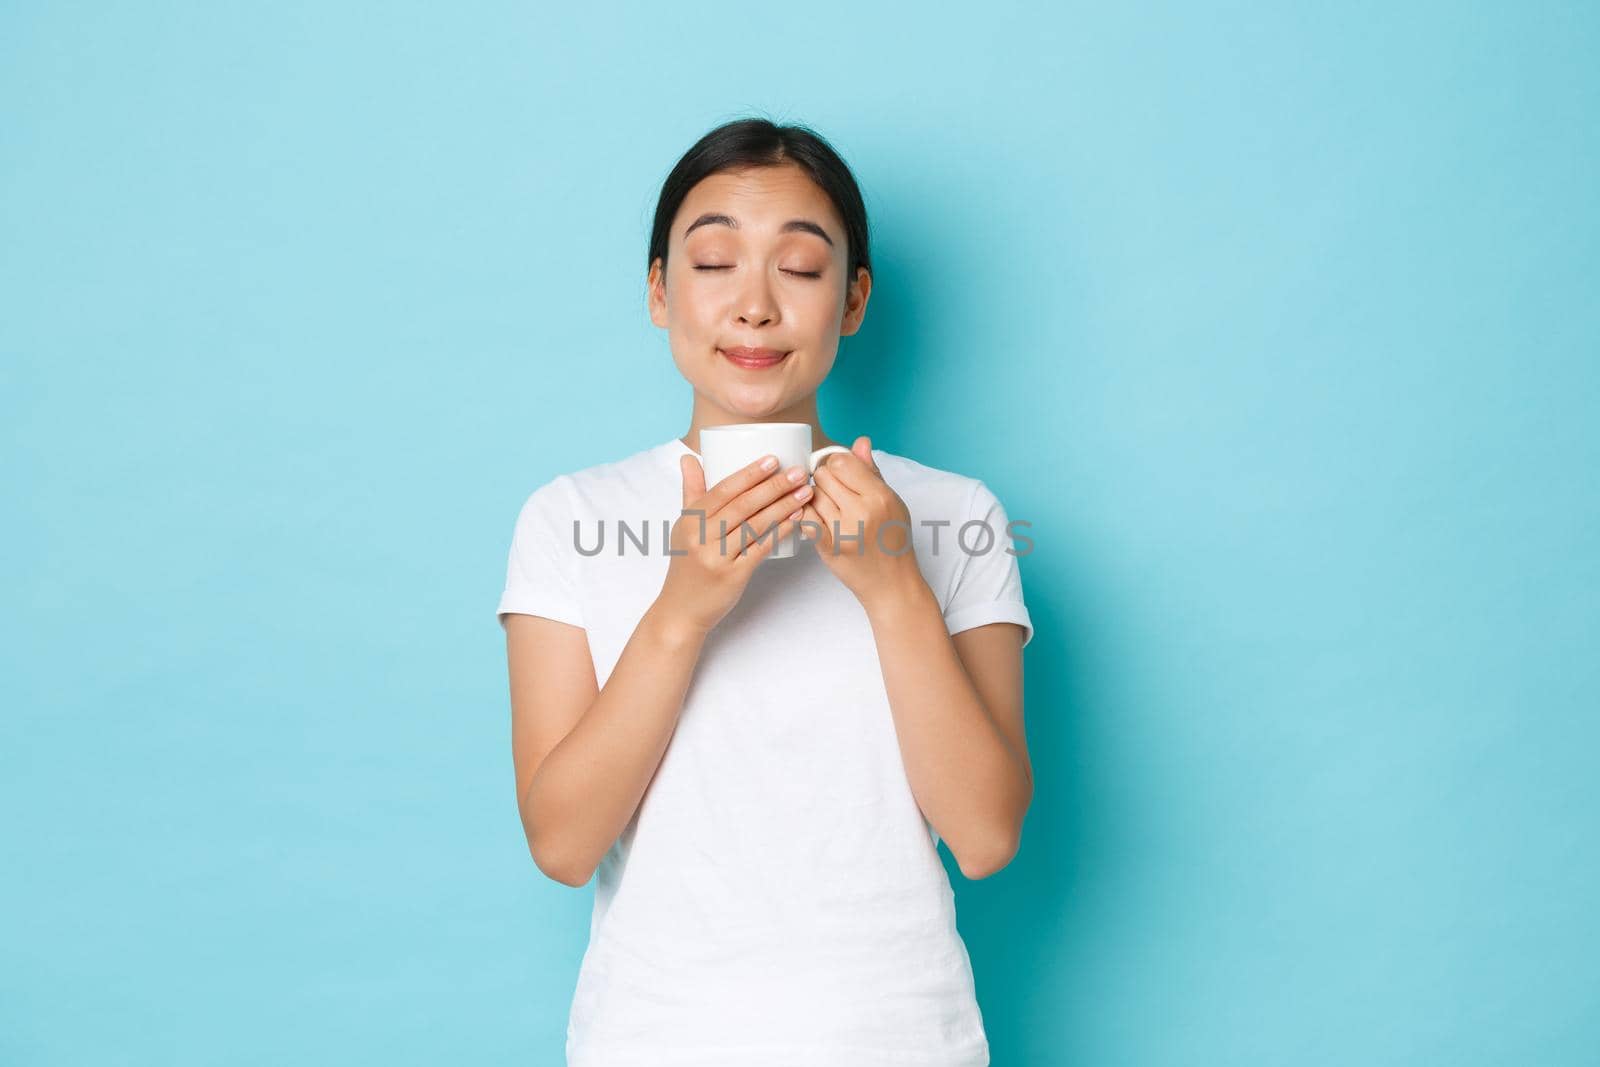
[(1280, 326)]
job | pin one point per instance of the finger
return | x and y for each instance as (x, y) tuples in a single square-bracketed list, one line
[(863, 448), (781, 508), (828, 511), (752, 500), (831, 492), (764, 525), (756, 549), (811, 526), (736, 483), (841, 529), (829, 482), (850, 471), (694, 479)]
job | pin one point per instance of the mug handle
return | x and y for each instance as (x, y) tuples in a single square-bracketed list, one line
[(823, 453)]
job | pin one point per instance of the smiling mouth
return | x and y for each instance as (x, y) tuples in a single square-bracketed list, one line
[(753, 358)]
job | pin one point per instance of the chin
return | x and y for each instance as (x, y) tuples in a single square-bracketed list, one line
[(755, 404)]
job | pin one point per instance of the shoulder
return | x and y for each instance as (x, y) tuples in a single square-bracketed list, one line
[(600, 487), (963, 504), (928, 490)]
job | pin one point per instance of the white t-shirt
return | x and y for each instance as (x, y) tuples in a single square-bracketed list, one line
[(778, 896)]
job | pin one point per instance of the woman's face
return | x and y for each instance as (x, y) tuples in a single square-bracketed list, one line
[(747, 269)]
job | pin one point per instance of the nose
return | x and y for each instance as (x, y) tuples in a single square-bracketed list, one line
[(756, 306)]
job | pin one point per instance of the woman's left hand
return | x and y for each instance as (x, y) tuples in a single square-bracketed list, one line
[(852, 498)]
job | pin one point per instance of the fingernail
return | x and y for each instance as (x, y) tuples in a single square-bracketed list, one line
[(769, 463), (796, 474)]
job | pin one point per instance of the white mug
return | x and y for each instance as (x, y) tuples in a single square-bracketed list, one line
[(725, 449)]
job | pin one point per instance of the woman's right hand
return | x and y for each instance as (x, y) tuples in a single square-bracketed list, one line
[(707, 575)]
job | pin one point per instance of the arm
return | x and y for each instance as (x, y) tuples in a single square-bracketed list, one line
[(584, 757), (957, 707), (956, 699)]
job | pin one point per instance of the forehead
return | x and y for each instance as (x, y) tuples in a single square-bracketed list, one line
[(761, 199)]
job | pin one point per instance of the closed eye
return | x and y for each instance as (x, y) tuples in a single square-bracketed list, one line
[(796, 273)]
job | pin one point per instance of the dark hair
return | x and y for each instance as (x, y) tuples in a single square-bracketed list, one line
[(756, 142)]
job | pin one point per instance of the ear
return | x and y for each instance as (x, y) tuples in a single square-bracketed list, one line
[(855, 302), (655, 294)]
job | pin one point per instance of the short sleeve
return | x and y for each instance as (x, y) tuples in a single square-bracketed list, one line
[(988, 582), (540, 572)]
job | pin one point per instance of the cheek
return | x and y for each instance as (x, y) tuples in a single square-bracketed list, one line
[(825, 309), (689, 307), (817, 300)]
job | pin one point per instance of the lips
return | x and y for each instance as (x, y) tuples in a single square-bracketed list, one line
[(754, 358)]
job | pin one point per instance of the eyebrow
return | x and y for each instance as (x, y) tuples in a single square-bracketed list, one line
[(792, 226)]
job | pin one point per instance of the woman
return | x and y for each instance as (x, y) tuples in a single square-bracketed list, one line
[(758, 757)]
